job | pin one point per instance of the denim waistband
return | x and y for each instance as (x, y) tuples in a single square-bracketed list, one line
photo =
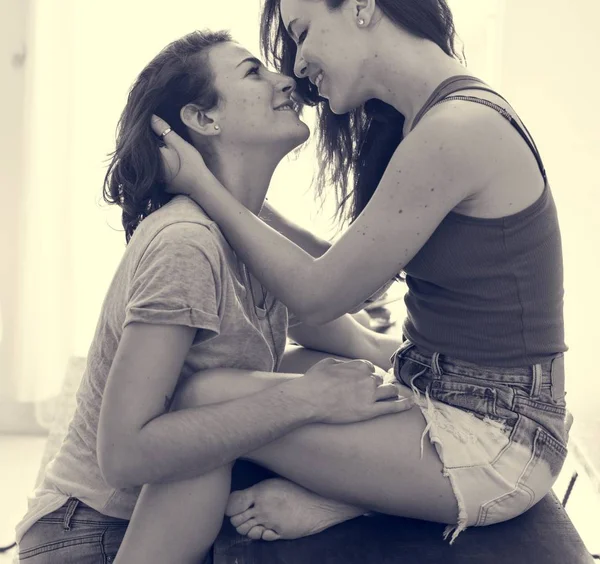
[(75, 510), (549, 374)]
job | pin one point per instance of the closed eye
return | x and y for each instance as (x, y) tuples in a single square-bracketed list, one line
[(253, 70), (302, 37)]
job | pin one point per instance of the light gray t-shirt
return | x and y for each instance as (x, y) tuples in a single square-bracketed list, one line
[(177, 269)]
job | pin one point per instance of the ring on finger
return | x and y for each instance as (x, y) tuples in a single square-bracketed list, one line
[(165, 132)]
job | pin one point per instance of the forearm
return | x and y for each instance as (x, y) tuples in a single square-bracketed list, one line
[(190, 442), (285, 268), (346, 337), (313, 245)]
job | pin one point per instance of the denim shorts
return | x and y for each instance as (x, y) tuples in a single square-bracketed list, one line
[(74, 533), (501, 433)]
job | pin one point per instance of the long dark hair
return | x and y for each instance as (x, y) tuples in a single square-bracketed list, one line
[(178, 75), (360, 143)]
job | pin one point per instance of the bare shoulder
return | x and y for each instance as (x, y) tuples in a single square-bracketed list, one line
[(502, 168)]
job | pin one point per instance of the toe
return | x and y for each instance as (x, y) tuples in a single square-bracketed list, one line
[(239, 501), (244, 528), (255, 533), (269, 535), (242, 517)]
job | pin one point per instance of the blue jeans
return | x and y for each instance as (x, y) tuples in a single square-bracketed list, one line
[(501, 433), (74, 533)]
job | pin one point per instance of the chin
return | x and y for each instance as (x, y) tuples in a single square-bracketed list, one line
[(339, 107), (301, 134)]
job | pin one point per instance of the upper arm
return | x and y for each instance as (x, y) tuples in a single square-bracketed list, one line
[(435, 168), (140, 385), (173, 301)]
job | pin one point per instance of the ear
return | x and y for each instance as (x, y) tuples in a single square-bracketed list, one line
[(364, 10), (198, 120)]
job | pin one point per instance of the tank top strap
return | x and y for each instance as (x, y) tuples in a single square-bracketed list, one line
[(462, 82), (449, 86)]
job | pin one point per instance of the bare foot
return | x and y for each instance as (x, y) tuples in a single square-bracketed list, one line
[(278, 509)]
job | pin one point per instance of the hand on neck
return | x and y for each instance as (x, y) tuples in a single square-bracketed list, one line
[(246, 174)]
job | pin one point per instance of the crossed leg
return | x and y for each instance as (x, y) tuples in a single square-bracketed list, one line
[(332, 473)]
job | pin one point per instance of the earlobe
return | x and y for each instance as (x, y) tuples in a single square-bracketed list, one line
[(199, 121), (364, 11)]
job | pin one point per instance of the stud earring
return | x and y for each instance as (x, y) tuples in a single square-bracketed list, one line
[(217, 127), (360, 21)]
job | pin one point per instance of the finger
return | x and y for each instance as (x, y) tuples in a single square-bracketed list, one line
[(392, 406), (377, 379), (366, 364), (329, 361), (386, 392), (158, 124)]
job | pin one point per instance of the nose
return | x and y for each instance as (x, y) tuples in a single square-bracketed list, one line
[(287, 84), (300, 65)]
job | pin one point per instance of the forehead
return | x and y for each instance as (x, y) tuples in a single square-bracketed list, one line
[(225, 57), (292, 9)]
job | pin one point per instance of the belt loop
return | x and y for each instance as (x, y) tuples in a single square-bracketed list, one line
[(557, 376), (72, 504), (405, 346), (536, 385), (435, 365)]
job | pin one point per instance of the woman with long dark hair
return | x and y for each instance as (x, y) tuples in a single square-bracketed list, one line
[(180, 378), (442, 182)]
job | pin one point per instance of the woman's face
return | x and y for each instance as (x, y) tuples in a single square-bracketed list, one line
[(256, 104), (330, 49)]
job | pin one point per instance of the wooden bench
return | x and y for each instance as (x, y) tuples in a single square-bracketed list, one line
[(543, 535)]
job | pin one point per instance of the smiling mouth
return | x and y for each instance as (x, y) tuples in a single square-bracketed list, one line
[(287, 107), (319, 79)]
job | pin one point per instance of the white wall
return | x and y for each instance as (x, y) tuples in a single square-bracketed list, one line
[(550, 72), (84, 57), (12, 88)]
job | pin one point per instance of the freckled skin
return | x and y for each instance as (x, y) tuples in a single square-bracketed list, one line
[(247, 113), (331, 44)]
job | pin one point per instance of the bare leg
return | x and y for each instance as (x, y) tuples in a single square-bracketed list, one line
[(336, 472), (179, 521), (339, 472)]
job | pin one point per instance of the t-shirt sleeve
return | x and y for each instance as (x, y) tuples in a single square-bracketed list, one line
[(177, 281)]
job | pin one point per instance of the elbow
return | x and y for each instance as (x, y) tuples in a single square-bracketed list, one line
[(117, 466)]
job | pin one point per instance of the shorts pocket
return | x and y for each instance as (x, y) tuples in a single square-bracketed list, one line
[(532, 483)]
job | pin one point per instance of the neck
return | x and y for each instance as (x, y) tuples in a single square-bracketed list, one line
[(406, 77), (246, 173)]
